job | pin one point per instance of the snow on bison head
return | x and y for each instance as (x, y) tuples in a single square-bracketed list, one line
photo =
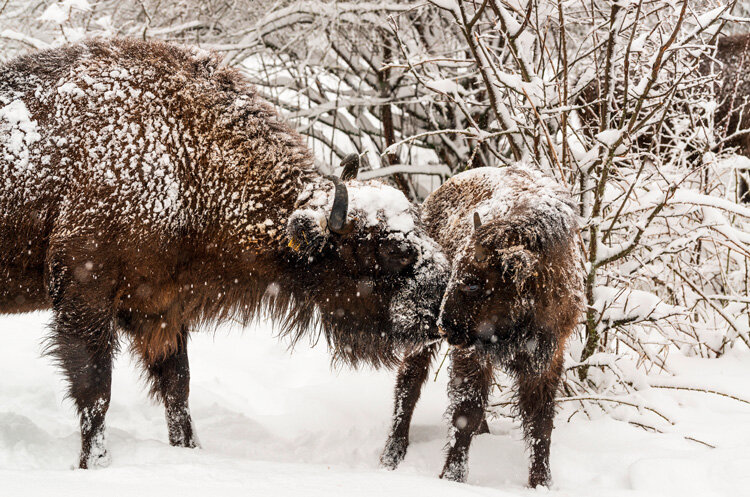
[(380, 277)]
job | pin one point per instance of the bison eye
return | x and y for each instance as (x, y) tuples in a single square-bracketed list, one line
[(397, 258), (469, 288), (398, 263)]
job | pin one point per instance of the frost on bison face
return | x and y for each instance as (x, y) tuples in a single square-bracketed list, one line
[(372, 295), (487, 302)]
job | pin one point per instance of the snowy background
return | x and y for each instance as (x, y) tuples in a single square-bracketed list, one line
[(656, 399), (275, 423)]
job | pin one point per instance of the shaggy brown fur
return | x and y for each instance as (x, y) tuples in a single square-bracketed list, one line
[(513, 298), (146, 189)]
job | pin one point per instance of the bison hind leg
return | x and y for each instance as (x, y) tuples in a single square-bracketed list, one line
[(536, 405), (162, 348)]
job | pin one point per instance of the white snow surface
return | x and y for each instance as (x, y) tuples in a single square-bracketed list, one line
[(384, 202), (609, 136), (54, 13), (275, 424), (615, 304), (447, 5), (443, 86)]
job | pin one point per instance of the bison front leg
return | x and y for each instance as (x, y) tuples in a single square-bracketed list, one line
[(83, 343), (536, 405), (411, 377), (468, 390), (169, 376)]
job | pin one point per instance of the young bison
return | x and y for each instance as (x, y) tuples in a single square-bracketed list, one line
[(145, 189), (513, 298)]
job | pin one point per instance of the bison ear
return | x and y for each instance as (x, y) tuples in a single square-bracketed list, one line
[(480, 253), (306, 232), (350, 163)]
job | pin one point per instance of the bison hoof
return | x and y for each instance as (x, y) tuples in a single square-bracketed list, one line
[(95, 460), (394, 453), (187, 441), (189, 444), (536, 480), (455, 472), (182, 433)]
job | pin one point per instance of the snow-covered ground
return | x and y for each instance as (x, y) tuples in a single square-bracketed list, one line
[(274, 423)]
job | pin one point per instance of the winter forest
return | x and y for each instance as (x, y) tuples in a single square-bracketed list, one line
[(630, 114)]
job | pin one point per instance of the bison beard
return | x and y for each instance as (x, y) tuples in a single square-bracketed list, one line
[(146, 190), (513, 298)]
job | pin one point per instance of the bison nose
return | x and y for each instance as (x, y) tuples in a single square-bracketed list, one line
[(453, 335), (458, 340)]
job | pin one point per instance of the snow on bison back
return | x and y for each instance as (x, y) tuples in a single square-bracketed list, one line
[(145, 189)]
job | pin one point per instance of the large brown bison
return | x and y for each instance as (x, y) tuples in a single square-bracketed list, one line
[(145, 189), (731, 64), (723, 74), (513, 298), (733, 96)]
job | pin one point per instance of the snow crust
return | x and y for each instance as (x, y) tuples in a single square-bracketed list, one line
[(543, 193), (618, 304), (382, 202), (443, 86), (609, 136), (451, 5), (54, 13)]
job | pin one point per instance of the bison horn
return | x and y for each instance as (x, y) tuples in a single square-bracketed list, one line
[(480, 253), (350, 163), (337, 218)]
